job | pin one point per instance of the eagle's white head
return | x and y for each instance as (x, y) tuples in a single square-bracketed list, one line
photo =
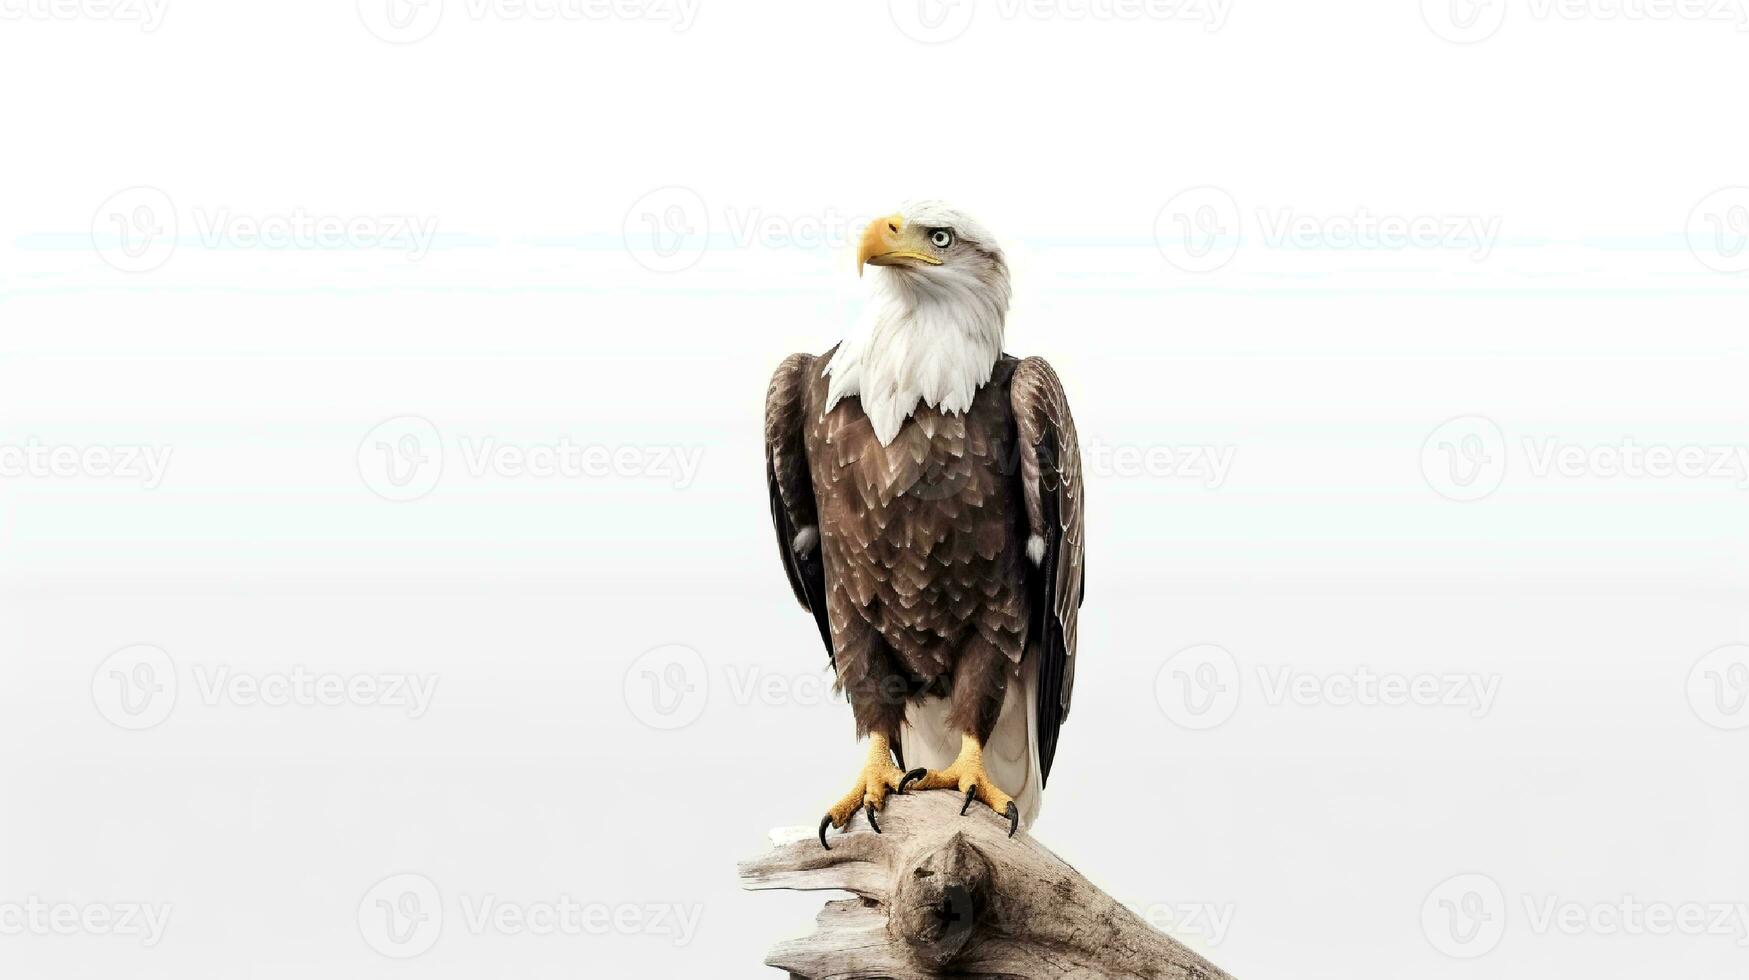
[(933, 328)]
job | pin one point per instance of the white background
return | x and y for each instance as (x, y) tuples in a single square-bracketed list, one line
[(636, 216)]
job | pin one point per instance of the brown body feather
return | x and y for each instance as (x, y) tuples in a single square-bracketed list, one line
[(919, 577)]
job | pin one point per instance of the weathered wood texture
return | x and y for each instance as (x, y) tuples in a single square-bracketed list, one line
[(939, 894)]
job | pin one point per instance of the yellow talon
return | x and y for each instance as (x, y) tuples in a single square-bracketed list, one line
[(877, 778), (967, 775)]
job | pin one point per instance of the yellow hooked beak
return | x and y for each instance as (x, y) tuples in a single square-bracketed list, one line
[(888, 241)]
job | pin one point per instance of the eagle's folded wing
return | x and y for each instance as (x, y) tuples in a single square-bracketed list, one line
[(793, 516), (1051, 487)]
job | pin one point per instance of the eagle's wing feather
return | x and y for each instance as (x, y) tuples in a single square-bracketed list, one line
[(792, 486), (1051, 488)]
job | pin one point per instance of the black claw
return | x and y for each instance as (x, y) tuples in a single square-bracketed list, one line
[(825, 821), (872, 822), (910, 778), (1013, 815), (970, 794)]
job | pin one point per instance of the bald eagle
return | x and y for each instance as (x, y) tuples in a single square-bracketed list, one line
[(926, 492)]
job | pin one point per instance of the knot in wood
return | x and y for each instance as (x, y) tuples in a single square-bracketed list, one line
[(940, 900)]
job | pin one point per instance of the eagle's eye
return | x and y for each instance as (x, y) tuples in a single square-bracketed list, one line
[(941, 238)]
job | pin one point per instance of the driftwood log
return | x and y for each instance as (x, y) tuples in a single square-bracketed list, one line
[(938, 894)]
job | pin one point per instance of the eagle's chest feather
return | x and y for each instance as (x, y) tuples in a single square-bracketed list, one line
[(922, 534)]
